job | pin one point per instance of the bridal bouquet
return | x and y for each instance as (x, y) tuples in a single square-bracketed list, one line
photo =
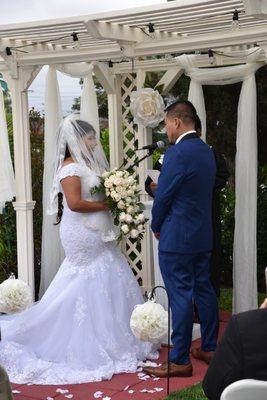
[(121, 191), (15, 295)]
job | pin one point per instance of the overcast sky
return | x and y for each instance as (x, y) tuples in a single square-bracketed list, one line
[(15, 11)]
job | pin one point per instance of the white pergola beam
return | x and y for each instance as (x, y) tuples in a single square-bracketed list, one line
[(170, 78), (105, 77), (112, 31), (256, 8), (182, 44)]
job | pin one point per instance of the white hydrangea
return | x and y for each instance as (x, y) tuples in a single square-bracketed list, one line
[(149, 322), (15, 295)]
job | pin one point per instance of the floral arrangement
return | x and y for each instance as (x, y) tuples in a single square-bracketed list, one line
[(15, 295), (147, 107), (122, 196), (149, 322)]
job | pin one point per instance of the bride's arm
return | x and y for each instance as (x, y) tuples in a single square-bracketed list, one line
[(72, 190)]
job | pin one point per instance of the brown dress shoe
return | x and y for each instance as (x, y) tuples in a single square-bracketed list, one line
[(205, 356), (175, 370)]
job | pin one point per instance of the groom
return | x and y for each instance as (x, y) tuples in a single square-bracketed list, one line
[(181, 220)]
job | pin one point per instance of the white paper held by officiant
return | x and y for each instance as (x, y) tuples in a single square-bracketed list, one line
[(153, 174)]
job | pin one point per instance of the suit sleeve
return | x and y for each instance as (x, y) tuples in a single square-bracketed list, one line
[(171, 177), (226, 366)]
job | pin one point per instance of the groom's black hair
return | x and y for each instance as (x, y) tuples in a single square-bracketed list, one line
[(183, 109)]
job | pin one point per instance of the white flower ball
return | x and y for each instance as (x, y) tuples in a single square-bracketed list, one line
[(15, 296), (125, 229), (134, 233), (149, 322), (147, 107)]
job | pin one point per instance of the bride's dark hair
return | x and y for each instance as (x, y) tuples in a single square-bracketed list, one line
[(85, 130)]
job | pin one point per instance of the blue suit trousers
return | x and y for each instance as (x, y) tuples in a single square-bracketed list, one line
[(187, 277)]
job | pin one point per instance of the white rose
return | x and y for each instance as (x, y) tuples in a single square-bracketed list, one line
[(130, 210), (121, 205), (125, 228), (130, 192), (140, 228), (120, 174), (113, 194), (130, 180), (128, 200), (147, 107), (134, 233), (105, 174), (140, 217), (107, 183), (117, 197), (122, 217), (124, 194), (128, 218)]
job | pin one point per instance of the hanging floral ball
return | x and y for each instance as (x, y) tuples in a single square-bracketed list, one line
[(15, 295), (149, 322)]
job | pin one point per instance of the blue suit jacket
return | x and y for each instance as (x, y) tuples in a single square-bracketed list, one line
[(182, 205)]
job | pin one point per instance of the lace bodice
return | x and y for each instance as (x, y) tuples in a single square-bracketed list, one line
[(100, 220)]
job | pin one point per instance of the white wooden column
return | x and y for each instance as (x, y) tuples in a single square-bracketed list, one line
[(24, 204), (115, 125), (144, 136)]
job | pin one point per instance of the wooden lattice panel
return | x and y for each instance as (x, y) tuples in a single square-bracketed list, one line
[(133, 252)]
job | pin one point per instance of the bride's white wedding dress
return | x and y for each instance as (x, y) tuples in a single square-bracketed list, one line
[(79, 331)]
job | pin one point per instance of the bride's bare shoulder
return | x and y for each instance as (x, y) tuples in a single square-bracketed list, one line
[(68, 161)]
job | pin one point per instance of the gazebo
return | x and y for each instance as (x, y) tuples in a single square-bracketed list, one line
[(220, 42)]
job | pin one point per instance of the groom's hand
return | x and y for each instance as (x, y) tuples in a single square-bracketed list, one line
[(157, 235)]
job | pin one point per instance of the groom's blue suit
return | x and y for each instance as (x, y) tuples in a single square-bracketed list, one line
[(182, 215)]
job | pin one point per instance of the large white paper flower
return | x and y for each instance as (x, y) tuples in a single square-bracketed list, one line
[(15, 295), (147, 107), (149, 322)]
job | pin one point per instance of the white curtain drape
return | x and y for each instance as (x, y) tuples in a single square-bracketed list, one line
[(245, 248), (7, 179), (52, 252)]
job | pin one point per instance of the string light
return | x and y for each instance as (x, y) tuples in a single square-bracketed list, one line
[(211, 56), (235, 22)]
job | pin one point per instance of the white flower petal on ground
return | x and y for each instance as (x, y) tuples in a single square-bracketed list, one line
[(98, 394), (62, 391)]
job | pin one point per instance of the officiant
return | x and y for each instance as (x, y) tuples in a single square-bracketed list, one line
[(222, 175)]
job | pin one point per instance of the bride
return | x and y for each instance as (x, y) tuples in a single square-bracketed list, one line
[(79, 331)]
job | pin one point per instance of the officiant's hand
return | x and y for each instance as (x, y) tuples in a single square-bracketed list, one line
[(264, 304), (153, 186), (157, 235)]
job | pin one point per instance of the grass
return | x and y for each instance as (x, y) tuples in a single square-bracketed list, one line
[(192, 393), (196, 392), (225, 302)]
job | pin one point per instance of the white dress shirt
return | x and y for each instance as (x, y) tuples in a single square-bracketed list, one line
[(181, 137)]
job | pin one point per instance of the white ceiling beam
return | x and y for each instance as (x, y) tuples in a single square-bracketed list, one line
[(256, 8), (105, 77), (170, 78), (111, 31)]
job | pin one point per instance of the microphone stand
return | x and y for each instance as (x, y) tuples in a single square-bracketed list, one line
[(149, 153)]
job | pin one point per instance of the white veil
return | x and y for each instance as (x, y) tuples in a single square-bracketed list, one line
[(80, 139)]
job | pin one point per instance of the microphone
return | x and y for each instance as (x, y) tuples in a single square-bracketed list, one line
[(158, 145)]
